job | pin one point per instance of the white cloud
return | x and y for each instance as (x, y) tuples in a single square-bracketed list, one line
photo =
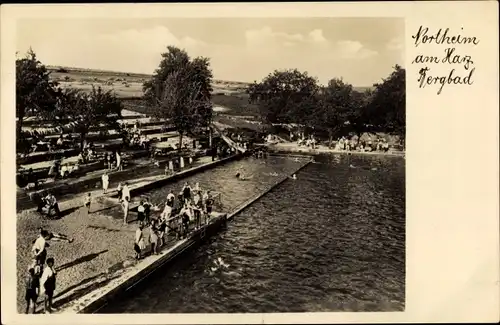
[(317, 36), (266, 39), (395, 44), (353, 50), (154, 39), (138, 50), (266, 36)]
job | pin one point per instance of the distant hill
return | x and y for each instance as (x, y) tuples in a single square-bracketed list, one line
[(93, 76)]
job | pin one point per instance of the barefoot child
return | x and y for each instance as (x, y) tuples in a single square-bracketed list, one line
[(139, 242), (105, 182), (32, 290), (88, 199)]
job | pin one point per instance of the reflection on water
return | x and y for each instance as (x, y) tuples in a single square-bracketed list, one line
[(332, 240)]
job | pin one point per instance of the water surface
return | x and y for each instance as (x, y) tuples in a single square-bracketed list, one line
[(332, 240)]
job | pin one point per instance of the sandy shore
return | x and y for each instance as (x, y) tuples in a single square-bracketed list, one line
[(100, 242), (293, 147)]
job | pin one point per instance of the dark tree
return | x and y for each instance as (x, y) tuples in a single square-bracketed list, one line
[(387, 110), (180, 91), (286, 96), (339, 107), (35, 92), (87, 110)]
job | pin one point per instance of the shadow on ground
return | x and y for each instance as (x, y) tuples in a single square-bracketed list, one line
[(80, 260)]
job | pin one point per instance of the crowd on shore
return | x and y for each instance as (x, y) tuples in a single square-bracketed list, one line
[(180, 214), (344, 144), (191, 206)]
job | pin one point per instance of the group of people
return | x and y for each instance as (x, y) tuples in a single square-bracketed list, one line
[(41, 277), (48, 204), (380, 144), (308, 142), (135, 137), (190, 205), (114, 160)]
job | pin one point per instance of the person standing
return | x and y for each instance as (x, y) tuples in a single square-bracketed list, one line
[(48, 284), (197, 202), (126, 192), (162, 231), (88, 199), (186, 192), (139, 242), (153, 237), (140, 213), (119, 189), (185, 214), (119, 161), (147, 209), (105, 182), (208, 201), (39, 248), (125, 207), (32, 290), (170, 199)]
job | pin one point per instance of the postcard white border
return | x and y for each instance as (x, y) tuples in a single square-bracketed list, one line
[(452, 259)]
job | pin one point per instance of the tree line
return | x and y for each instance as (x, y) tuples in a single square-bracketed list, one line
[(337, 109), (39, 96), (180, 91)]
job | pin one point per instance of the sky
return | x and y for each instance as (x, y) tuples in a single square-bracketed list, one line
[(362, 51)]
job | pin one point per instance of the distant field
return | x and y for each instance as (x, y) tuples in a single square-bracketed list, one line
[(229, 94), (122, 83)]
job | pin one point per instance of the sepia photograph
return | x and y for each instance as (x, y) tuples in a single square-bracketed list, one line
[(210, 165), (249, 163)]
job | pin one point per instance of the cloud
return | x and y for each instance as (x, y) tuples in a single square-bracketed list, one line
[(395, 44), (263, 50), (266, 36), (265, 39), (154, 39), (353, 50), (317, 36)]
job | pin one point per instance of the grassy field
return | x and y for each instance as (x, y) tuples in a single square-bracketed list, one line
[(228, 94), (124, 84)]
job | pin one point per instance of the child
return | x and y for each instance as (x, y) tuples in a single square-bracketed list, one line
[(48, 284), (139, 242), (162, 230), (105, 182), (88, 199), (119, 190), (153, 237), (140, 213), (125, 206), (197, 209), (32, 290), (147, 210)]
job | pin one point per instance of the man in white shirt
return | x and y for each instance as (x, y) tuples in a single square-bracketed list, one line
[(48, 284)]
